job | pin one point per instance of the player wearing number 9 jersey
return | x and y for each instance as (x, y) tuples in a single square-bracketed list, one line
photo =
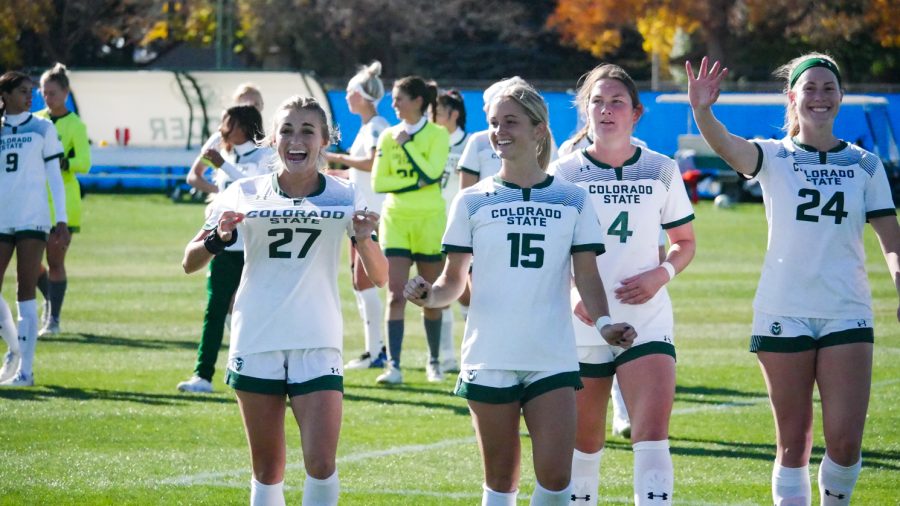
[(29, 162), (286, 331), (812, 322)]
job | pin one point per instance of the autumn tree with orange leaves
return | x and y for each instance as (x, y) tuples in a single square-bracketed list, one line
[(864, 35)]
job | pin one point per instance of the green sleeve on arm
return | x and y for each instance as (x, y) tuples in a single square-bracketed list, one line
[(81, 162), (384, 178), (430, 167)]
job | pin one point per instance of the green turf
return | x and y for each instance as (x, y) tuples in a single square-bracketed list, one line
[(105, 424)]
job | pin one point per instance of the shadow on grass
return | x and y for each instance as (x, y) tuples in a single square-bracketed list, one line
[(875, 459), (53, 392), (681, 390), (417, 396), (153, 344)]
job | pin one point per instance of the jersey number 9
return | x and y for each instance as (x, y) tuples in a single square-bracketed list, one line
[(12, 162)]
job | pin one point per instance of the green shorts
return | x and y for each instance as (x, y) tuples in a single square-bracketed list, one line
[(494, 386), (790, 334), (415, 237)]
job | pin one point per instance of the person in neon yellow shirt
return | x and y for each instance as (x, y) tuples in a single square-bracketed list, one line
[(76, 160), (409, 164)]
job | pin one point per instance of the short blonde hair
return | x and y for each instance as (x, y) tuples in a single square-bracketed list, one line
[(248, 89), (535, 108), (301, 103)]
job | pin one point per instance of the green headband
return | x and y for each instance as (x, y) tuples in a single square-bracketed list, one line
[(814, 62)]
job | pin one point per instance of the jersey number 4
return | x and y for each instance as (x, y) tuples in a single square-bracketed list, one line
[(12, 162), (286, 236), (619, 227), (834, 207), (522, 253)]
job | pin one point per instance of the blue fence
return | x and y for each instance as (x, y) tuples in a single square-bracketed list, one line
[(659, 127)]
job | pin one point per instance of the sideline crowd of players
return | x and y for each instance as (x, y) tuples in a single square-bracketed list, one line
[(574, 237)]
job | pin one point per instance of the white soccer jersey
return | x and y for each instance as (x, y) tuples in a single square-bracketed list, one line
[(246, 160), (450, 181), (523, 240), (25, 147), (478, 157), (364, 144), (288, 295), (816, 205), (568, 147), (631, 202)]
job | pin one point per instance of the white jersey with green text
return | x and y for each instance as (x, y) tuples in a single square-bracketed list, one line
[(27, 143), (523, 240), (450, 181), (245, 160), (364, 145), (288, 295), (631, 202), (816, 205), (478, 157)]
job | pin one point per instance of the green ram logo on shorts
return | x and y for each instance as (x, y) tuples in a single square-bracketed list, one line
[(775, 328)]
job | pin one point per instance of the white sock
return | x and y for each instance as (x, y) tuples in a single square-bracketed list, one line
[(28, 333), (544, 497), (372, 311), (266, 495), (836, 482), (447, 349), (492, 498), (620, 412), (464, 311), (653, 474), (318, 492), (8, 327), (790, 486), (585, 477)]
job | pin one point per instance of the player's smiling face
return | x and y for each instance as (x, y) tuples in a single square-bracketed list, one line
[(299, 139), (54, 95), (19, 99), (510, 130), (816, 96), (611, 110), (407, 108)]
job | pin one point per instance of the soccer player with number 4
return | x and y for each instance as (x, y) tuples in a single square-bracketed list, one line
[(530, 231), (287, 326), (812, 320), (634, 192)]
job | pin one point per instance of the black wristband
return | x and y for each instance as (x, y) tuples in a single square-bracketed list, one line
[(214, 244)]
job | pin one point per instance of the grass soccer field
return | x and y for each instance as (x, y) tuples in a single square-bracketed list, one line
[(105, 425)]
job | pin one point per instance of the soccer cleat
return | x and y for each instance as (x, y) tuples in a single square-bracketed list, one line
[(45, 313), (364, 361), (10, 365), (390, 376), (19, 380), (433, 372), (449, 365), (196, 385), (622, 427), (51, 328)]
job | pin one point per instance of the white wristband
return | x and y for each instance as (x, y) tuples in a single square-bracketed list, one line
[(602, 322), (669, 268)]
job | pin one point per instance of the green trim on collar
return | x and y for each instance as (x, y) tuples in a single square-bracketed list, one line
[(318, 191), (543, 184), (631, 161), (841, 145)]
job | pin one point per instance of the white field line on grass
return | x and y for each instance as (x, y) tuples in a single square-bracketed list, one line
[(238, 476)]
